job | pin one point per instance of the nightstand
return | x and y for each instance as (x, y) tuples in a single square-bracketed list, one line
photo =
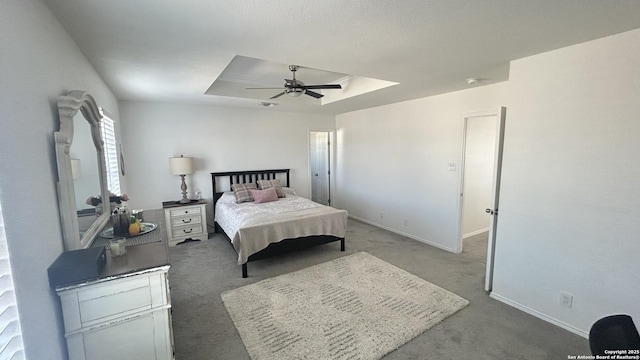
[(185, 221)]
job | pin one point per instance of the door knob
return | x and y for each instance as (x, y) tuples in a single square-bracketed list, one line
[(489, 211)]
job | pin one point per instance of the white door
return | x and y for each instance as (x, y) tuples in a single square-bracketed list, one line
[(319, 156), (495, 197), (493, 200)]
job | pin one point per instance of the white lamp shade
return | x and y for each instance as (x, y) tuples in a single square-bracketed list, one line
[(75, 168), (181, 165)]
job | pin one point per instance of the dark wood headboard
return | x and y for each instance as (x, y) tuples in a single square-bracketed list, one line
[(243, 177)]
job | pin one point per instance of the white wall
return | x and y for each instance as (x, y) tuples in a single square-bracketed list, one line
[(569, 197), (478, 173), (39, 60), (219, 138), (570, 205), (393, 160)]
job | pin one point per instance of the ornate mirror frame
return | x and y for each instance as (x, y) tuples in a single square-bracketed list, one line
[(68, 106)]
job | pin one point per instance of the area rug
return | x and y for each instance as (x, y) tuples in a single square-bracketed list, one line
[(355, 307)]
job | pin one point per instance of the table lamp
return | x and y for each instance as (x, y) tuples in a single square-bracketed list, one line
[(182, 166)]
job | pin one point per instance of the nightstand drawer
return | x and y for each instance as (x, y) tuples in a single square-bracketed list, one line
[(185, 220), (192, 210), (189, 230)]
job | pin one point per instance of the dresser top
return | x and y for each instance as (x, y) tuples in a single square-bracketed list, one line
[(152, 256), (171, 204)]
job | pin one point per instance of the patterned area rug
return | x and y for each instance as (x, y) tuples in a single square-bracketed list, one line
[(357, 307)]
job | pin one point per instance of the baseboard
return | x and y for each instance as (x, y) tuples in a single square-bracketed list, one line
[(475, 233), (530, 311), (413, 237)]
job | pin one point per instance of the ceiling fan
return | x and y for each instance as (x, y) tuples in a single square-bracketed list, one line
[(295, 88)]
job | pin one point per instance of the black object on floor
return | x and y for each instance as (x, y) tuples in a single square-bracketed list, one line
[(615, 332)]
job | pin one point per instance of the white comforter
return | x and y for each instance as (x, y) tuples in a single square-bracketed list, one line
[(252, 227)]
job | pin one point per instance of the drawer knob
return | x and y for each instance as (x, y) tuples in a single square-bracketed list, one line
[(187, 232), (186, 221)]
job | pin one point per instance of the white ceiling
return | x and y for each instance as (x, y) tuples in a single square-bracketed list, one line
[(173, 50)]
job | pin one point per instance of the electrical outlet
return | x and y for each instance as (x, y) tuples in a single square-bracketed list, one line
[(406, 222), (566, 299), (451, 167)]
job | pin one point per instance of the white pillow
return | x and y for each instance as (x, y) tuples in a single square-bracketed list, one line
[(289, 191), (227, 197)]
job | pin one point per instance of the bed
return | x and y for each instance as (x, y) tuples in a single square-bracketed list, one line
[(261, 230)]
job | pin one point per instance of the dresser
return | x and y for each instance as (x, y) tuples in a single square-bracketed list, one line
[(126, 312), (185, 221)]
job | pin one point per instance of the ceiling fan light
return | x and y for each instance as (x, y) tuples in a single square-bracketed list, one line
[(295, 92)]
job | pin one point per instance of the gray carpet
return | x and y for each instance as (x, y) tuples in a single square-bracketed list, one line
[(357, 307), (486, 329)]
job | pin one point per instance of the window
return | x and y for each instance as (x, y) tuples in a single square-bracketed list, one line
[(108, 132), (11, 346)]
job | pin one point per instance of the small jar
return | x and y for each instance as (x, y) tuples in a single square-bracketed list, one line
[(118, 246)]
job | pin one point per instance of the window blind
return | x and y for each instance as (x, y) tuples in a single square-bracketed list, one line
[(11, 345), (108, 132)]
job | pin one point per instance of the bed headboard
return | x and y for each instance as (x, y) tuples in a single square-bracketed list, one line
[(243, 177)]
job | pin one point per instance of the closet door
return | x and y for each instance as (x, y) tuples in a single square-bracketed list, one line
[(320, 161)]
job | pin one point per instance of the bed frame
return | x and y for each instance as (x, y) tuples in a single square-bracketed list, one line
[(282, 247)]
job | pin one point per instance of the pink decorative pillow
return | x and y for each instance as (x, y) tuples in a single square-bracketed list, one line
[(261, 196)]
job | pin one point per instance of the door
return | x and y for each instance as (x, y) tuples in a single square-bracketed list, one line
[(495, 197), (492, 201), (320, 166)]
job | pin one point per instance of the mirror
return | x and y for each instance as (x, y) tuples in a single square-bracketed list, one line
[(85, 172), (81, 169)]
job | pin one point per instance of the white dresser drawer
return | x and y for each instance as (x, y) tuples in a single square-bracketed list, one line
[(191, 210), (134, 295), (126, 318), (103, 302), (189, 230), (185, 220)]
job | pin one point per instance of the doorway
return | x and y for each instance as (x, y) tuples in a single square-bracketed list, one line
[(320, 165), (483, 138)]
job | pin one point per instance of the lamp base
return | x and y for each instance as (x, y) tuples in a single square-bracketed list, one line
[(183, 187)]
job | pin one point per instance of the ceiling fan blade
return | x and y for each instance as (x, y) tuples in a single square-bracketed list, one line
[(313, 94), (327, 86), (277, 96), (269, 88)]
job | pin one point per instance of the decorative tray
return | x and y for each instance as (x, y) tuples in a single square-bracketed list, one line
[(146, 228)]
